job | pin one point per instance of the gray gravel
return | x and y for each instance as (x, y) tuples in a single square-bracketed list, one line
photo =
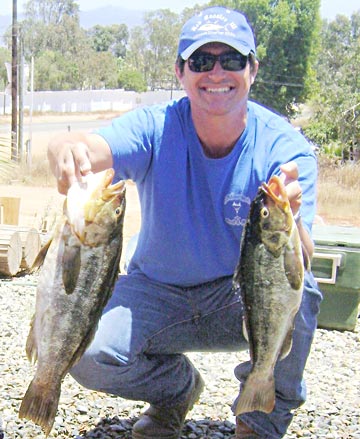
[(333, 376)]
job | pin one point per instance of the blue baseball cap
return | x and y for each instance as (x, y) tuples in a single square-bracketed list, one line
[(216, 24)]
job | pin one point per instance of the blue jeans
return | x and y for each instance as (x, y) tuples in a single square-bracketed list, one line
[(137, 352)]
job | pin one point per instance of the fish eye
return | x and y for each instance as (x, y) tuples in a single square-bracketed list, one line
[(117, 211), (264, 212)]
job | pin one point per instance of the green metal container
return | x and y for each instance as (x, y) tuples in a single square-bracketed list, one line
[(336, 267)]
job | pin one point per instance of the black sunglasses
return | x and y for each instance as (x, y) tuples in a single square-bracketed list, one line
[(204, 62)]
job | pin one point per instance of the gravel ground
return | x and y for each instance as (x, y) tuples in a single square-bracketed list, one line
[(333, 376)]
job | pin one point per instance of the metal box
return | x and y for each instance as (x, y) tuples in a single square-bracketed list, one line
[(336, 267)]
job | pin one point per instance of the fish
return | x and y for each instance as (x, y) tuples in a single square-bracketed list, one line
[(270, 277), (78, 270)]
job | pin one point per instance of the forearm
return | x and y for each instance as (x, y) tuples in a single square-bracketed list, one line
[(306, 240)]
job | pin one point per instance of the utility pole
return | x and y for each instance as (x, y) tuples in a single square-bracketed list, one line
[(21, 84), (14, 87)]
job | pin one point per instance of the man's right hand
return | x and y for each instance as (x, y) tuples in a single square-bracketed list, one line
[(74, 155)]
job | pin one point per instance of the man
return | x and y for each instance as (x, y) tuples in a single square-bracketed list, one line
[(197, 164)]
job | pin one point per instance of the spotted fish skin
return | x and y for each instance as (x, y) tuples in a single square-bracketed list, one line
[(270, 276), (78, 269)]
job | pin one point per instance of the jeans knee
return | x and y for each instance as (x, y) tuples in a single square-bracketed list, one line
[(96, 368)]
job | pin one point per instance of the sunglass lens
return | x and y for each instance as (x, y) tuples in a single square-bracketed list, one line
[(233, 61), (202, 62)]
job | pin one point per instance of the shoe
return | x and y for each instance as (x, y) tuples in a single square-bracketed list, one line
[(243, 431), (166, 423)]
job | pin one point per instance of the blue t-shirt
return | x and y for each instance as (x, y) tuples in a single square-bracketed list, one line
[(193, 208)]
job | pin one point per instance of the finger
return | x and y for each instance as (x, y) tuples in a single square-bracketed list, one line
[(65, 172), (62, 187), (293, 190), (289, 172), (294, 194), (80, 152)]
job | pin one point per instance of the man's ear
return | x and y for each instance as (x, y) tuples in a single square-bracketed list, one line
[(178, 73), (253, 72)]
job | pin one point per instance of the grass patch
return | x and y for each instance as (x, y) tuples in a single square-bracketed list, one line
[(338, 191), (36, 174), (7, 165)]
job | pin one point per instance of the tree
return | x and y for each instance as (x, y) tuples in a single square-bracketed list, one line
[(135, 56), (153, 48), (111, 39), (131, 80), (64, 57), (51, 25), (336, 105), (101, 71), (287, 39), (50, 11), (5, 56)]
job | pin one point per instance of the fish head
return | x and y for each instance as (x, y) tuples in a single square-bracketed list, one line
[(274, 214), (96, 207)]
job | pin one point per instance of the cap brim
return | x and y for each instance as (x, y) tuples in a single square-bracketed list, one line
[(245, 50)]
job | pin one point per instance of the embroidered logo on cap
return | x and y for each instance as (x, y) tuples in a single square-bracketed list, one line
[(214, 23)]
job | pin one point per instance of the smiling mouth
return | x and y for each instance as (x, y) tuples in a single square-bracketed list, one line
[(218, 90)]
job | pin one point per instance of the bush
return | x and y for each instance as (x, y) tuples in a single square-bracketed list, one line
[(131, 80)]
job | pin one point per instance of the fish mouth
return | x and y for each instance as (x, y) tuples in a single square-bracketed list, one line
[(86, 200), (105, 192), (111, 190), (276, 192)]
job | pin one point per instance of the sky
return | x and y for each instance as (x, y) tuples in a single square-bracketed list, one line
[(329, 8)]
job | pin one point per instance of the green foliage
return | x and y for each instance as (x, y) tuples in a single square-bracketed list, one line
[(336, 105), (5, 56), (100, 71), (286, 32), (153, 48), (135, 56), (51, 25), (332, 149), (63, 52), (56, 71), (131, 80), (50, 11), (112, 39), (50, 70), (319, 132)]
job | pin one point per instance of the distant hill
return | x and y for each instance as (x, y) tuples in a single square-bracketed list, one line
[(108, 15), (104, 16)]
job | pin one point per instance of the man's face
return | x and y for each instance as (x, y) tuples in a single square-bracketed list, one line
[(217, 91)]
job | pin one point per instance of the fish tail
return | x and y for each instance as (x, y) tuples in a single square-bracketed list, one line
[(40, 405), (257, 394)]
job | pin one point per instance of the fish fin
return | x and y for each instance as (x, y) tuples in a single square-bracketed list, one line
[(245, 331), (40, 404), (40, 258), (31, 346), (294, 268), (257, 394), (71, 262), (287, 345)]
